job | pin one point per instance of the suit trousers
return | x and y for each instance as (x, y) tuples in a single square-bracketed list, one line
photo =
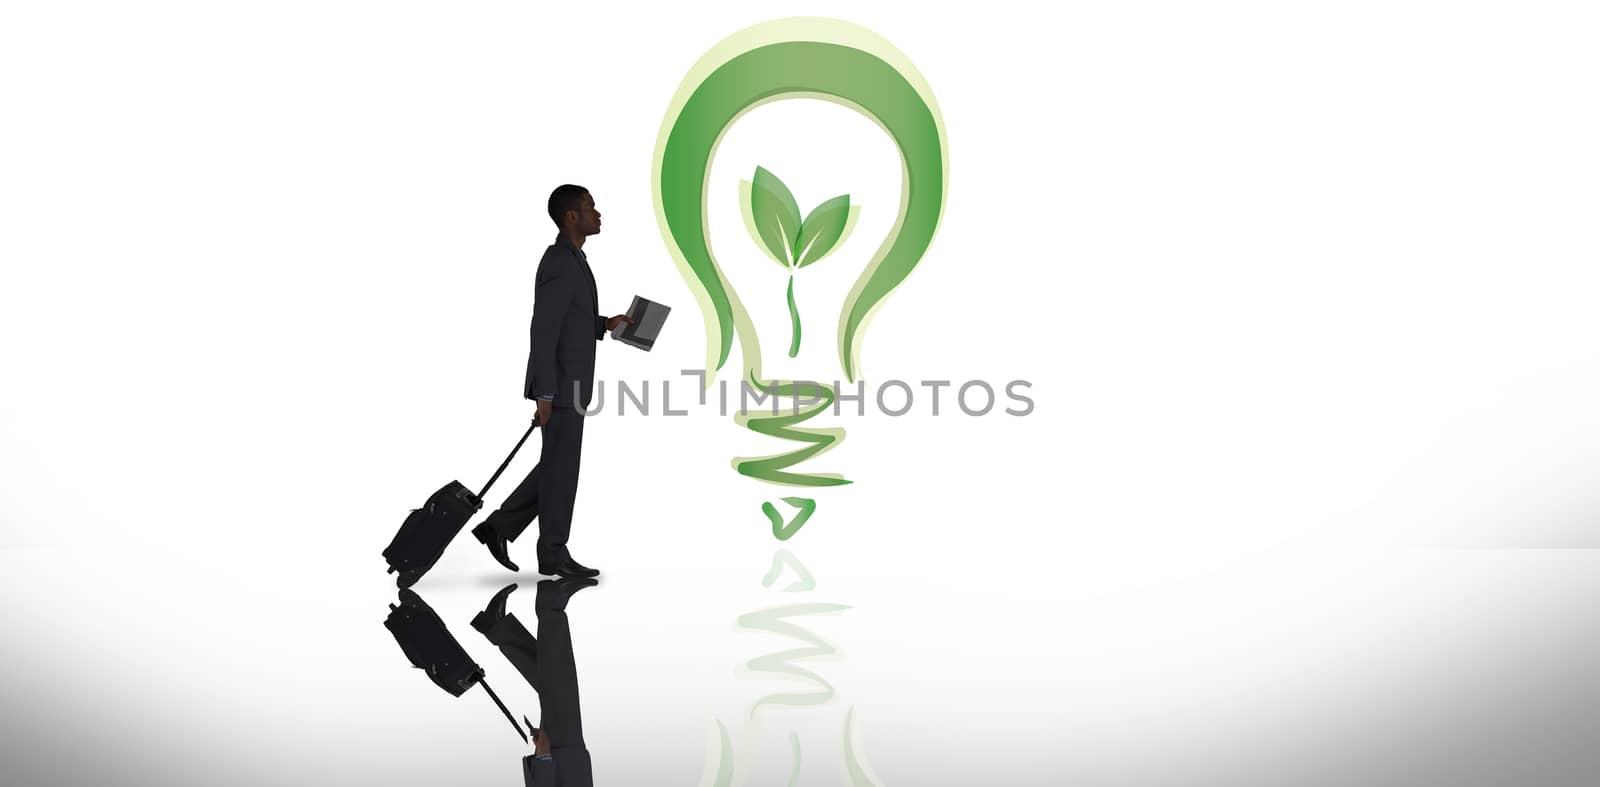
[(550, 490), (559, 713)]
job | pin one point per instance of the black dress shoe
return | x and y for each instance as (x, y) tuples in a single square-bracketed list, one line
[(581, 569), (555, 593), (514, 640), (496, 611), (496, 543), (568, 568)]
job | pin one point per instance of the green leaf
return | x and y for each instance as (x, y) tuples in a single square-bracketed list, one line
[(821, 230), (745, 189), (775, 214)]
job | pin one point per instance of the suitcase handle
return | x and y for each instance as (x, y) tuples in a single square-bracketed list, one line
[(503, 465)]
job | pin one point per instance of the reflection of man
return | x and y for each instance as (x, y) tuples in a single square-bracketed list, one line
[(560, 757), (560, 722), (560, 377)]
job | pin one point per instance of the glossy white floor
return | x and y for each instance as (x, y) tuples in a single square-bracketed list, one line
[(1464, 667)]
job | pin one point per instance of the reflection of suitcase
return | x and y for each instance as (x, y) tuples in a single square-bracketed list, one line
[(429, 529), (430, 646), (433, 649)]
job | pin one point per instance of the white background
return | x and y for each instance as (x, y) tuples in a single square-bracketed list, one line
[(1304, 293)]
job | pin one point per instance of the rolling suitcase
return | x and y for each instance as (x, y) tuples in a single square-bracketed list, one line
[(426, 532)]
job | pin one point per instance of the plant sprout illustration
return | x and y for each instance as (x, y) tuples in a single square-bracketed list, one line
[(773, 218)]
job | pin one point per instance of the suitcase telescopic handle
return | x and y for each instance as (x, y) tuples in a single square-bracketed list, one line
[(502, 706), (503, 465)]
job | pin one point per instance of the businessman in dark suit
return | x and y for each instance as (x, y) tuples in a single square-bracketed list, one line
[(560, 379)]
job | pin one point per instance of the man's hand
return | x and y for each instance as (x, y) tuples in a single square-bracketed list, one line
[(612, 323), (542, 411)]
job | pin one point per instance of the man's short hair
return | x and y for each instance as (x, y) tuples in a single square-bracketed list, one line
[(566, 197)]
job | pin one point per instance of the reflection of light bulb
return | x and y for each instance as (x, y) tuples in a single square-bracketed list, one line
[(807, 699)]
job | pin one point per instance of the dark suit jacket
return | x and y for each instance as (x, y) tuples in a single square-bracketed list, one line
[(566, 324)]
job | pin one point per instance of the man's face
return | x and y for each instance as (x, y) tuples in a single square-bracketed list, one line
[(588, 219)]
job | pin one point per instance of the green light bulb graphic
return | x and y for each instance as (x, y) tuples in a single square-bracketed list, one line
[(849, 65), (803, 57)]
